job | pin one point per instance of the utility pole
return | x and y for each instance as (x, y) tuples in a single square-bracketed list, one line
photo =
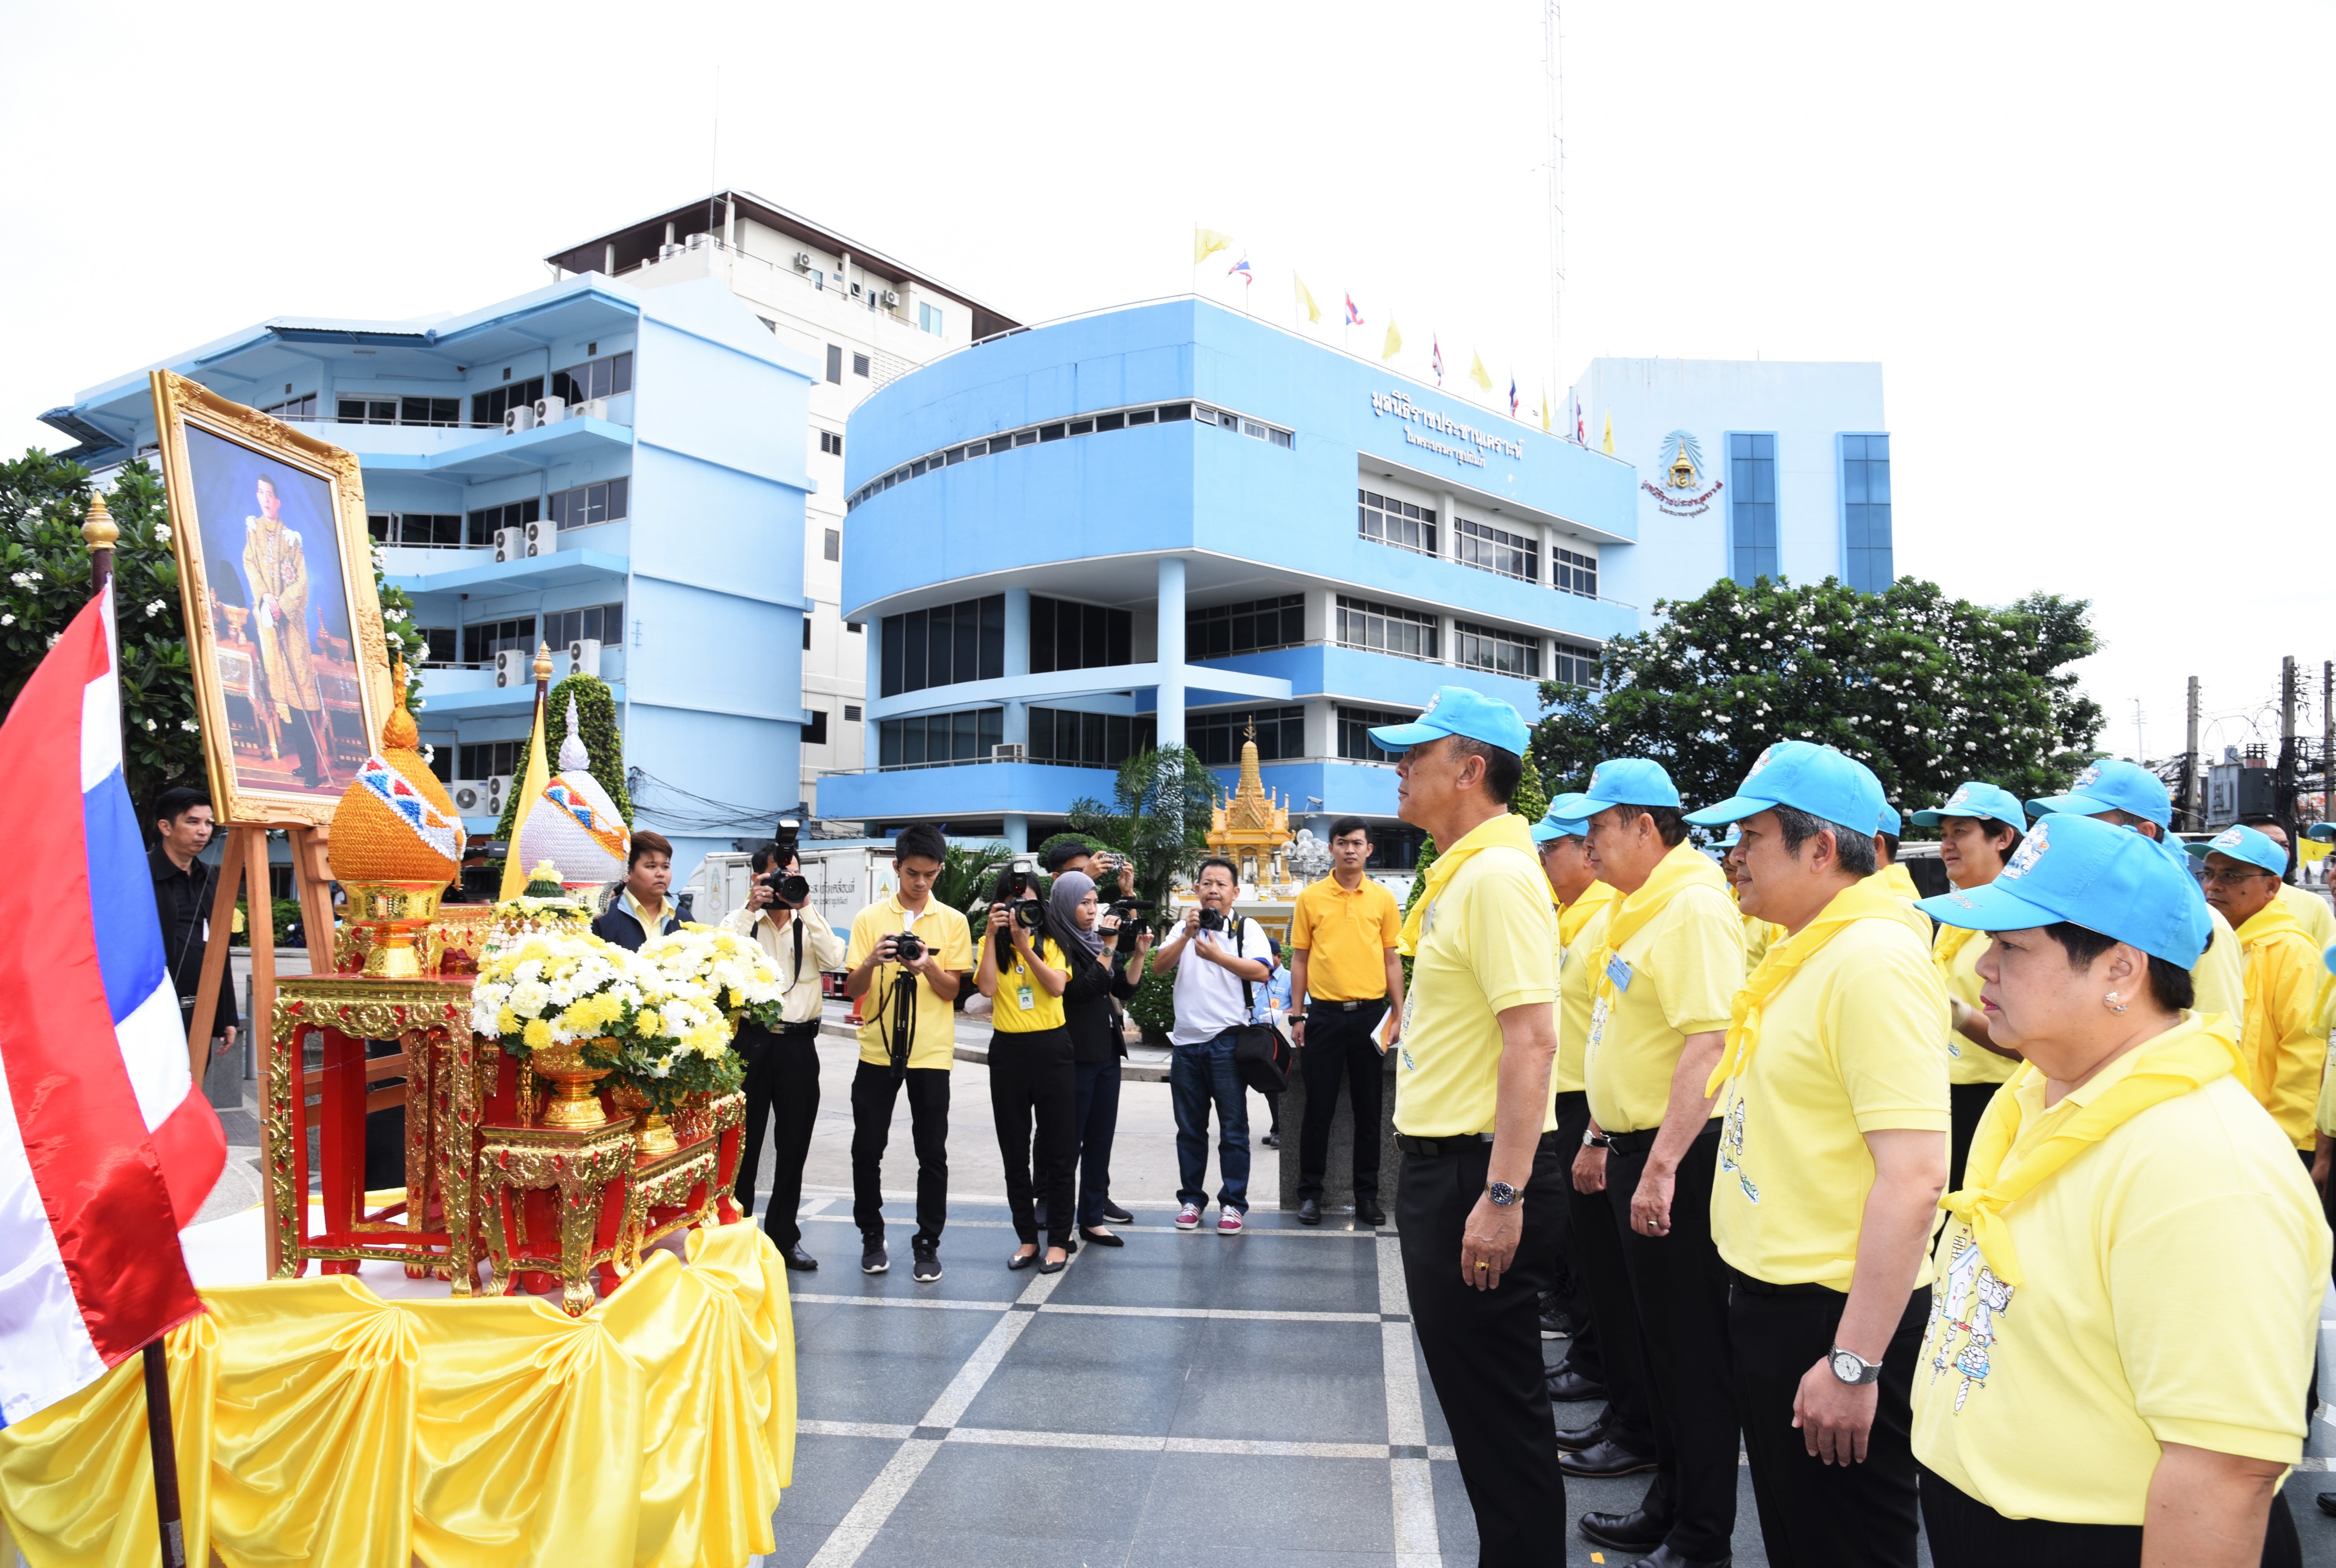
[(2193, 817), (2283, 800)]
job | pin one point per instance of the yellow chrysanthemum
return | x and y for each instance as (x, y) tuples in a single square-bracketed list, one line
[(648, 1022), (506, 1022), (538, 1035)]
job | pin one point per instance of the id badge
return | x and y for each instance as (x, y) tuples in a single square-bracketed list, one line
[(1027, 1001), (1619, 972)]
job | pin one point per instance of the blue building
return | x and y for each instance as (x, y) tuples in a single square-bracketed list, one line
[(619, 473), (1171, 523)]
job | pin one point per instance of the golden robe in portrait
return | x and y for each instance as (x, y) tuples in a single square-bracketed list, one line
[(275, 564)]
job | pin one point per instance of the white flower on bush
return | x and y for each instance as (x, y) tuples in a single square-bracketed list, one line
[(150, 723), (191, 726), (153, 608), (161, 533), (7, 621), (25, 579), (392, 614)]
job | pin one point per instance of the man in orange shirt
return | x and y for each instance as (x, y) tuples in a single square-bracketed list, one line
[(1344, 932)]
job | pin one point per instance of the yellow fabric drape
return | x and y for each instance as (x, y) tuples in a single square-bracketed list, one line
[(1508, 830), (318, 1424), (1861, 901)]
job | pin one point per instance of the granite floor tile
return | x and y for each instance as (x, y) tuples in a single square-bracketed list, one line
[(875, 1364), (1072, 1372), (1213, 1501), (979, 1491)]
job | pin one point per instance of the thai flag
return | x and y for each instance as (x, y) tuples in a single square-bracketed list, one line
[(1513, 397), (1581, 429), (1354, 317), (107, 1147), (1436, 356), (1240, 270)]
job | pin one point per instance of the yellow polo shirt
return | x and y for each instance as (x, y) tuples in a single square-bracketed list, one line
[(1968, 1062), (1850, 1045), (934, 1041), (2218, 981), (2285, 1060), (1684, 968), (2172, 1280), (1010, 1010), (1900, 882), (1483, 946), (1757, 935), (1580, 927), (2313, 912), (1345, 937)]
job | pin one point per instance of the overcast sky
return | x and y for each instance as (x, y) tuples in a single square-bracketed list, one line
[(2089, 243)]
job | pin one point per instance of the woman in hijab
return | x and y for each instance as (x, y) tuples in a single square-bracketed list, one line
[(1100, 973)]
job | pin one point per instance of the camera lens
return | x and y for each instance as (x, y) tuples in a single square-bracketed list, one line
[(794, 890), (908, 947), (1028, 915)]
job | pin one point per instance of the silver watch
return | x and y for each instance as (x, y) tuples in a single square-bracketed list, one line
[(1853, 1369), (1502, 1193)]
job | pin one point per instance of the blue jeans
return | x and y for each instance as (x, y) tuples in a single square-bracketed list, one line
[(1197, 1074)]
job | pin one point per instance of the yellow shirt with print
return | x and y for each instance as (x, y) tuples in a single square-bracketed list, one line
[(1010, 1012), (2285, 1060), (1968, 1062), (1580, 927), (933, 1040), (1345, 937), (2171, 1277), (1684, 966), (1849, 1046), (2218, 979), (1485, 947)]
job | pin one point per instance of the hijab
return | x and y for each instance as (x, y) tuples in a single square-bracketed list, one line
[(1062, 901)]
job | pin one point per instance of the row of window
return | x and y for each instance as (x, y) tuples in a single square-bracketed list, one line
[(479, 642), (939, 737), (1248, 626), (580, 507), (1217, 736), (1386, 628), (944, 645), (1062, 429), (1397, 522), (1867, 556), (1063, 735), (1354, 726), (835, 363), (1407, 526), (1488, 648), (1067, 635), (587, 504), (604, 377)]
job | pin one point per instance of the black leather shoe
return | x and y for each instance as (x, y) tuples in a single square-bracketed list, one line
[(803, 1262), (1632, 1532), (1272, 1140), (1574, 1439), (1117, 1215), (1556, 1323), (1093, 1237), (1309, 1211), (1604, 1460), (1664, 1557), (1368, 1212), (1567, 1387), (2327, 1501), (1021, 1259)]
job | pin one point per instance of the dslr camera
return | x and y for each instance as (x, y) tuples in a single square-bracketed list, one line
[(1018, 885), (1211, 919), (788, 889), (908, 947)]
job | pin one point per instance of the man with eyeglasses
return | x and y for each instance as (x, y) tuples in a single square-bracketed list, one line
[(2280, 1058)]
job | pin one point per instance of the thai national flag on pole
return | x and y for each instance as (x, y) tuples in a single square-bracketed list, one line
[(107, 1147), (1354, 317)]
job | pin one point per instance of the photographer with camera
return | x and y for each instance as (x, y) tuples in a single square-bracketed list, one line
[(911, 955), (1070, 855), (1214, 996), (782, 1065), (1103, 965), (1025, 971)]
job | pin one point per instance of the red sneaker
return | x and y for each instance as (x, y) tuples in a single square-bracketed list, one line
[(1229, 1222), (1188, 1218)]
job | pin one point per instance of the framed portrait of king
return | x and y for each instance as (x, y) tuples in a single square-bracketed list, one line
[(283, 629)]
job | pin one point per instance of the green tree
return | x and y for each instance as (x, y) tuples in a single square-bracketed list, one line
[(596, 715), (966, 874), (1159, 817), (1925, 690)]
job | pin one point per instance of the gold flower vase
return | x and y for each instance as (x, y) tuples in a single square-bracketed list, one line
[(574, 1104), (392, 914), (656, 1139)]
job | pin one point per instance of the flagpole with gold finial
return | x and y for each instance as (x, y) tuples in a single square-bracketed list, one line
[(100, 533)]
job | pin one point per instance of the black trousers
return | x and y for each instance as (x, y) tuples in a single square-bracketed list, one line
[(1597, 1249), (874, 1089), (781, 1086), (1582, 1352), (1339, 1045), (1680, 1287), (1966, 1102), (1483, 1349), (1034, 1090), (1813, 1514), (1096, 1110), (1966, 1532)]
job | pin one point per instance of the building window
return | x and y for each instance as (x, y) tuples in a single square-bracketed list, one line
[(427, 530), (929, 319), (294, 408), (945, 645), (487, 522), (1385, 628), (488, 759), (1354, 726), (1576, 665), (852, 713), (1866, 512), (439, 644), (489, 407), (1491, 548), (394, 410), (1398, 522), (1067, 635), (609, 377), (831, 445), (1217, 736), (939, 737), (855, 625), (859, 364), (835, 365), (1067, 736), (602, 623), (1491, 649), (815, 732), (1247, 626), (1573, 572), (484, 639), (806, 625), (1096, 424), (1752, 507), (589, 504), (831, 546)]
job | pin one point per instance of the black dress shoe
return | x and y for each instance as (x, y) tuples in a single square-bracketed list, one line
[(1022, 1260), (1574, 1439), (1664, 1557), (1368, 1212), (1556, 1323), (1272, 1140), (1101, 1238), (1309, 1211), (2327, 1501), (1055, 1267), (1117, 1215), (803, 1262), (1605, 1460), (1632, 1532), (1567, 1387)]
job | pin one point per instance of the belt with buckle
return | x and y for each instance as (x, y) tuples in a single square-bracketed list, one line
[(1434, 1147), (1346, 1007)]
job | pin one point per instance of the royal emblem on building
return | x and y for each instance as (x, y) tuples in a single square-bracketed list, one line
[(1680, 486)]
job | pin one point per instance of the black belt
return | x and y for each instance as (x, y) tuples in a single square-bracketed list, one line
[(1312, 1002), (1629, 1144), (796, 1031), (1430, 1148), (1746, 1282)]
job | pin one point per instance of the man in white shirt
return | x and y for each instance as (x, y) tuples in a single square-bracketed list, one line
[(782, 1065), (1226, 952)]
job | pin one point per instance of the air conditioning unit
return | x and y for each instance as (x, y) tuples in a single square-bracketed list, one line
[(514, 667), (499, 789), (510, 544), (518, 419), (584, 657), (1012, 750), (803, 261), (551, 410), (590, 408), (470, 796), (891, 298), (543, 538)]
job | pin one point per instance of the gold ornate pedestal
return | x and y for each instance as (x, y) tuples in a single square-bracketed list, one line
[(587, 1169)]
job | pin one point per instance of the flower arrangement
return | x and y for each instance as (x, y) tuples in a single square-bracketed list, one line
[(733, 970), (661, 1034)]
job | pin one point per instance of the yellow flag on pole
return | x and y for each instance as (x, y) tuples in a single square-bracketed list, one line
[(1394, 342), (1609, 435), (1305, 299), (1207, 242), (538, 775), (1478, 373), (1544, 412)]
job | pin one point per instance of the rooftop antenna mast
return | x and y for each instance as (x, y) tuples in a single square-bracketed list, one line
[(1553, 72)]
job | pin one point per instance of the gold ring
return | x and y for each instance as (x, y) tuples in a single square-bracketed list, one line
[(1483, 1265)]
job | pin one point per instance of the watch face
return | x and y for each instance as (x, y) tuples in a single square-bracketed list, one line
[(1848, 1368), (1502, 1194)]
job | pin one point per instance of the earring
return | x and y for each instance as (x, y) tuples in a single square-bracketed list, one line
[(2115, 1005)]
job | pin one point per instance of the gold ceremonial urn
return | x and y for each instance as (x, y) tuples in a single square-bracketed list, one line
[(657, 1138), (394, 913), (575, 1105)]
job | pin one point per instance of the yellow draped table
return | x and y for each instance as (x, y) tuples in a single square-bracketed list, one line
[(319, 1424)]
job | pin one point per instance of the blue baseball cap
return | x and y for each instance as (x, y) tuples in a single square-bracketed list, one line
[(1807, 776), (1553, 826), (1457, 710), (2093, 874), (2111, 785), (1734, 836), (2325, 832), (1626, 780), (1891, 823), (2243, 843), (1976, 798)]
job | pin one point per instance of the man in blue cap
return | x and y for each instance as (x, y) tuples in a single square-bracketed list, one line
[(1478, 1205), (1832, 1159), (1887, 832), (2284, 1057), (2311, 910), (2129, 796)]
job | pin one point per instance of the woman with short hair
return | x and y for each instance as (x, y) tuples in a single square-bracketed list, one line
[(1980, 826)]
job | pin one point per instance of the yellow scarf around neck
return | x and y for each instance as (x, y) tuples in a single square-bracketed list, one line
[(1948, 945), (1507, 830), (1572, 917), (1868, 900), (1684, 867), (2189, 1055)]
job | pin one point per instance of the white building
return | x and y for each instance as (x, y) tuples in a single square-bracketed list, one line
[(864, 319)]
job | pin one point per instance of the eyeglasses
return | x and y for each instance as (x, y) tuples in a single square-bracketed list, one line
[(2232, 873)]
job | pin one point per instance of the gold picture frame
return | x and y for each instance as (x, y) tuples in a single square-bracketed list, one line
[(283, 629)]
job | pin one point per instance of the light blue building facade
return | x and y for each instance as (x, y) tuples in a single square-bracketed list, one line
[(1173, 522), (657, 513)]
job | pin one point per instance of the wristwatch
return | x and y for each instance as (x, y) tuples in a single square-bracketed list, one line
[(1502, 1193), (1853, 1369), (1594, 1139)]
